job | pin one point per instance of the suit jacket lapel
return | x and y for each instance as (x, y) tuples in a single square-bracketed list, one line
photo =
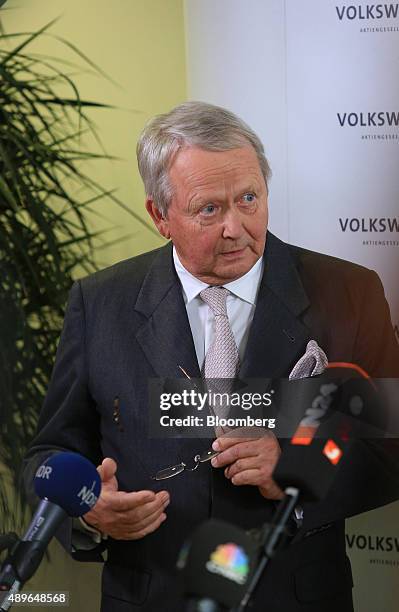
[(166, 337), (277, 336)]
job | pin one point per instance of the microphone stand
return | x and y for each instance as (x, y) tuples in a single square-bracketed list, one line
[(271, 540), (9, 582), (24, 556), (21, 563)]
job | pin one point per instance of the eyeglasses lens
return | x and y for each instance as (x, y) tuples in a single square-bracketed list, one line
[(169, 472)]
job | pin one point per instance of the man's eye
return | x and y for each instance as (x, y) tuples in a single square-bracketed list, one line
[(249, 198), (209, 209)]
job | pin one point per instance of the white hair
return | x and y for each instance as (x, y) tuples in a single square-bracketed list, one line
[(196, 124)]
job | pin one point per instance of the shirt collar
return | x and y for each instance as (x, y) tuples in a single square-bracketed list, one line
[(245, 287)]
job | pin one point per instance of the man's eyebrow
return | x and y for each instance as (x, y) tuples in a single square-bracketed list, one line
[(249, 187), (200, 199), (195, 202)]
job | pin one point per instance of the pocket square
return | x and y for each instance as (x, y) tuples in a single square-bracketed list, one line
[(312, 363)]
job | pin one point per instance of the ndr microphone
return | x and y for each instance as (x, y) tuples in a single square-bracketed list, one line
[(337, 407), (68, 485), (217, 564)]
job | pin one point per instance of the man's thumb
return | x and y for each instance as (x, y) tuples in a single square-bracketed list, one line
[(107, 469)]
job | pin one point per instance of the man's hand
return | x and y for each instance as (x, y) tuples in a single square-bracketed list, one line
[(251, 459), (125, 516)]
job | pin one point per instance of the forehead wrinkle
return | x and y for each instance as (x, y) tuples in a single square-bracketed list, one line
[(203, 183), (202, 180), (205, 174)]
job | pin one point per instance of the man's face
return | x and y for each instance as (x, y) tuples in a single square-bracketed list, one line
[(218, 215)]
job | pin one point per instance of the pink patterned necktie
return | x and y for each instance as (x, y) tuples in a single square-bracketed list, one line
[(222, 359)]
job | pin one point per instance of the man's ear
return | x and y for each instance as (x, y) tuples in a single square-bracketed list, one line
[(161, 222)]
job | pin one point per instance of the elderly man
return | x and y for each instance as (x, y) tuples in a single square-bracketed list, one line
[(205, 176)]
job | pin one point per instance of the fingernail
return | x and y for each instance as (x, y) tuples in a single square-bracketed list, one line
[(166, 503), (214, 461), (216, 446)]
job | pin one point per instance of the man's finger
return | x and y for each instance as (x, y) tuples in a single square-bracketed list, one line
[(240, 434), (120, 501), (148, 519), (238, 451), (141, 511), (141, 533), (247, 477), (243, 464), (269, 489), (222, 443), (107, 469)]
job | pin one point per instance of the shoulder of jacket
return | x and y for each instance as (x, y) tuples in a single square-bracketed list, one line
[(128, 273), (329, 267)]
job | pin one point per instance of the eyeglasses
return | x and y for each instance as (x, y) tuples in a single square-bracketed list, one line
[(174, 470)]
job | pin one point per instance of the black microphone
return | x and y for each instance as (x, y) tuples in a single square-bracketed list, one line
[(337, 407), (25, 556), (69, 485), (332, 410), (217, 564), (221, 564)]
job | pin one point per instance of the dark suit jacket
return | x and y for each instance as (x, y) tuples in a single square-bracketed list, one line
[(128, 323)]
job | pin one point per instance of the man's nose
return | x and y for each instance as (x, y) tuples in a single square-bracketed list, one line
[(232, 224)]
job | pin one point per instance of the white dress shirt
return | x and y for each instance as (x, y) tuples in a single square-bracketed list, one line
[(240, 303)]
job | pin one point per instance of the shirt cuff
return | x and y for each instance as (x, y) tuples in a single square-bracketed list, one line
[(85, 536)]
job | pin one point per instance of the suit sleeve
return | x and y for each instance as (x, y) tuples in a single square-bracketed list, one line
[(369, 477), (69, 420)]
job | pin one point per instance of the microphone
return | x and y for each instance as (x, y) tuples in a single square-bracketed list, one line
[(341, 405), (217, 564), (68, 485), (332, 409)]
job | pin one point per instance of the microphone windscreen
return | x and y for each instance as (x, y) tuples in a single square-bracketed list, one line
[(218, 562), (338, 407), (70, 481)]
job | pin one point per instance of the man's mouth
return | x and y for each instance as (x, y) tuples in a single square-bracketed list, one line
[(233, 253)]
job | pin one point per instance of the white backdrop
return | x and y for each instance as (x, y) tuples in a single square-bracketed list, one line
[(319, 81)]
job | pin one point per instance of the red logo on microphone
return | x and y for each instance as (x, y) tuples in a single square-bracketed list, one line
[(332, 452)]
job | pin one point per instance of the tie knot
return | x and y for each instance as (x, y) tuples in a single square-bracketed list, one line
[(215, 297)]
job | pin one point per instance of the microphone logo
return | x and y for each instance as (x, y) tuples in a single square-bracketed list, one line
[(87, 495), (314, 415), (332, 452), (229, 561), (44, 471)]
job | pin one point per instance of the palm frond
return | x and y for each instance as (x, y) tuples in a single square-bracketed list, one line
[(46, 199)]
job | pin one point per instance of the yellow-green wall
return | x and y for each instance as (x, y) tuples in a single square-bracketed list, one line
[(140, 45)]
